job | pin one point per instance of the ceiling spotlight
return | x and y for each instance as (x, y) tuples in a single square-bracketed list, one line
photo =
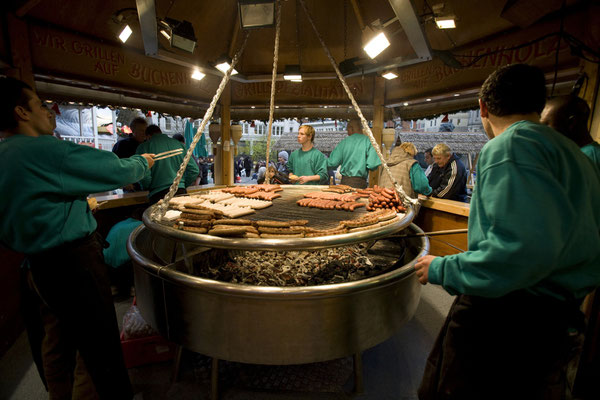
[(256, 13), (197, 75), (223, 65), (456, 94), (180, 33), (125, 33), (292, 73), (445, 22), (390, 75), (253, 107), (405, 104), (376, 42), (427, 99)]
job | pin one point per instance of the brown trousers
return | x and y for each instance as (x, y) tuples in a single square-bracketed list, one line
[(513, 347)]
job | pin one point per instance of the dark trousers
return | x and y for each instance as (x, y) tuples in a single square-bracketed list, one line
[(513, 347), (72, 324), (354, 181)]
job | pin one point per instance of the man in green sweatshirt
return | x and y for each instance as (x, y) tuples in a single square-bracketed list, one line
[(158, 181), (70, 315), (307, 166), (534, 252), (356, 155)]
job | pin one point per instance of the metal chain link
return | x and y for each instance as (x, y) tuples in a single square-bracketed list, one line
[(273, 76), (163, 204), (365, 125)]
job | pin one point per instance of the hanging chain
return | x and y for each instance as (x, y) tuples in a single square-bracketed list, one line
[(365, 125), (162, 205), (274, 75)]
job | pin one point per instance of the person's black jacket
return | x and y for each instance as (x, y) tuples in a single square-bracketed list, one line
[(449, 182), (126, 148)]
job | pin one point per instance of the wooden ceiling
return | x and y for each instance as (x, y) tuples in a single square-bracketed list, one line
[(216, 27)]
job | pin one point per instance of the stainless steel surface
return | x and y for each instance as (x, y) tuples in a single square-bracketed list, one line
[(271, 325), (280, 210)]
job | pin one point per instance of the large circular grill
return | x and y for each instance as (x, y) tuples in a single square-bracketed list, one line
[(269, 325)]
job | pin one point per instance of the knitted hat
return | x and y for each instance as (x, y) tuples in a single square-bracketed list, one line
[(283, 154)]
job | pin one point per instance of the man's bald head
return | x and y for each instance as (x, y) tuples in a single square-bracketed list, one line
[(354, 126), (569, 116)]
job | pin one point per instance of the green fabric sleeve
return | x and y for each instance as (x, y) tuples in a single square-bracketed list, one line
[(510, 255), (320, 167), (191, 173), (87, 170), (419, 180), (373, 160), (335, 158)]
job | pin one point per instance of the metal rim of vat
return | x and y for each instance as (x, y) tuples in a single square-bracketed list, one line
[(273, 292), (318, 242)]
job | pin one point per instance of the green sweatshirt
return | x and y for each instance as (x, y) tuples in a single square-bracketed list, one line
[(356, 155), (307, 163), (45, 183), (163, 173), (592, 150), (534, 222), (419, 180)]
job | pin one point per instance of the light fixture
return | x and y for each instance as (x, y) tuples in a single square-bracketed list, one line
[(390, 75), (375, 40), (223, 64), (445, 22), (125, 33), (179, 33), (197, 75), (256, 13), (456, 94), (292, 73), (427, 99), (405, 104)]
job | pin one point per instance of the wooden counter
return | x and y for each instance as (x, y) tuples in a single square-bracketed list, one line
[(440, 214)]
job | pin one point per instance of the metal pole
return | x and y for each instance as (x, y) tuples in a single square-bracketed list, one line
[(95, 125)]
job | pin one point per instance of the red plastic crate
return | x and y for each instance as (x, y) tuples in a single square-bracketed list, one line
[(146, 350)]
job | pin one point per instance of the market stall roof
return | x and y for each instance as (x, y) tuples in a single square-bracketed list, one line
[(74, 46)]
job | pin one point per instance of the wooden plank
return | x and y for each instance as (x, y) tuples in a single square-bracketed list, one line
[(431, 220)]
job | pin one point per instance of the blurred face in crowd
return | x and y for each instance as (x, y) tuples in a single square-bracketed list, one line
[(441, 160), (139, 131), (428, 158)]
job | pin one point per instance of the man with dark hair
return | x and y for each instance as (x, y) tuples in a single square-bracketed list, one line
[(68, 306), (569, 115), (534, 251), (158, 181), (127, 147)]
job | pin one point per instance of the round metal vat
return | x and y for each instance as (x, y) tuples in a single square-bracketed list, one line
[(269, 325)]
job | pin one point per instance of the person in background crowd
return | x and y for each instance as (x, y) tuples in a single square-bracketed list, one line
[(66, 298), (282, 159), (248, 166), (406, 170), (356, 156), (569, 115), (307, 164), (159, 180), (429, 161), (127, 147), (180, 138), (534, 251), (448, 178)]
